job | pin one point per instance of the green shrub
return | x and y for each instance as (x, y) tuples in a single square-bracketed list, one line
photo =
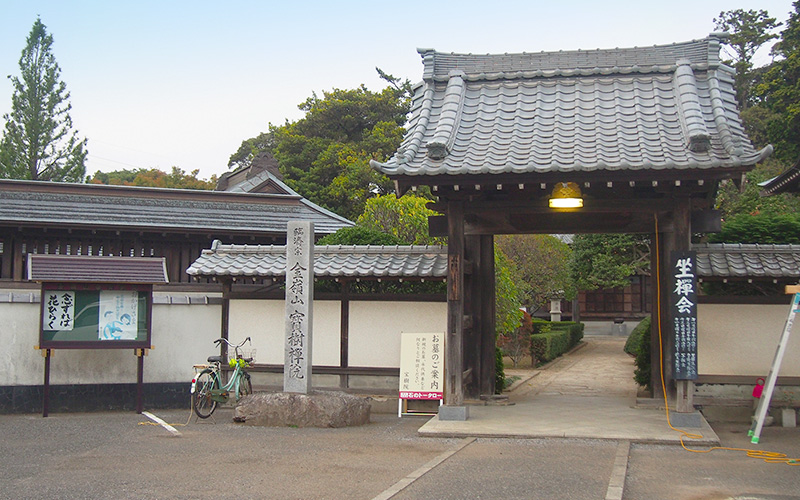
[(552, 339), (541, 326), (538, 348), (638, 344), (632, 343), (575, 331), (548, 346), (499, 371)]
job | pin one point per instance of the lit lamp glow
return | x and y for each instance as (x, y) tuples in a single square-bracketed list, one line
[(566, 195)]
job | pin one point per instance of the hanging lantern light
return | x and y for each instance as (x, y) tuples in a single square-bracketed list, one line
[(566, 195)]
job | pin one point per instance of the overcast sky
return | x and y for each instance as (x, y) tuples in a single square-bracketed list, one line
[(182, 83)]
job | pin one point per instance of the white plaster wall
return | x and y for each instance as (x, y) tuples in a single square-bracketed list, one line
[(375, 329), (742, 339), (264, 322), (182, 336), (20, 363)]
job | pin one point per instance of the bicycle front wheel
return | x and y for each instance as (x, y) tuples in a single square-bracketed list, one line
[(245, 386), (202, 403)]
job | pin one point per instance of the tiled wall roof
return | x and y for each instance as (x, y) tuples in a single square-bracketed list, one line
[(736, 260), (329, 261), (713, 260)]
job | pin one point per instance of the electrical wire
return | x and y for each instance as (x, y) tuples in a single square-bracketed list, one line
[(766, 456)]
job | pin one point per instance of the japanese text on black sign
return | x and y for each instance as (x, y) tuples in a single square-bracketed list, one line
[(684, 315)]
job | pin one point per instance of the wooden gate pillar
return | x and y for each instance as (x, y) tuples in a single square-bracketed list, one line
[(479, 317), (472, 317), (674, 235), (486, 283), (453, 408)]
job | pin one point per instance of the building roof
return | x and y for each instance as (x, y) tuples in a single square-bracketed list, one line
[(646, 108), (746, 261), (97, 269), (725, 260), (48, 204), (332, 261), (262, 175), (786, 182)]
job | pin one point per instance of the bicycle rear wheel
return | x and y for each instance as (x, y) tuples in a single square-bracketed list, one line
[(245, 386), (202, 403)]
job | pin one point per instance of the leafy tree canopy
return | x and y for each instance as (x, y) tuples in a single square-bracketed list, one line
[(767, 228), (177, 178), (38, 141), (608, 260), (542, 262), (779, 90), (359, 235), (406, 218), (510, 292), (325, 155)]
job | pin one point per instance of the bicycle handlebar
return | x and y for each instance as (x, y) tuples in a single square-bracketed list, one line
[(220, 340)]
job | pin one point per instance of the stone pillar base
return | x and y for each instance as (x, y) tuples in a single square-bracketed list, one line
[(694, 419), (457, 413)]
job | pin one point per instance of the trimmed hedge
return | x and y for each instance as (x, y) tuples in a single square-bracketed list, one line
[(638, 344), (552, 339)]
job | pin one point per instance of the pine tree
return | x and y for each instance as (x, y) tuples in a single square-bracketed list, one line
[(38, 141), (780, 89)]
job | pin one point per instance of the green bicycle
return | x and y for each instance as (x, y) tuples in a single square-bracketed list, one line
[(207, 388)]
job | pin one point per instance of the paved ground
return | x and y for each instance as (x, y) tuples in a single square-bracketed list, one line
[(109, 455), (589, 393)]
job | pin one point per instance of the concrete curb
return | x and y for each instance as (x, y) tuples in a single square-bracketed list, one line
[(616, 484), (409, 479)]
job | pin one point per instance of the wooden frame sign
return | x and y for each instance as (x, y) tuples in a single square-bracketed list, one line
[(95, 316)]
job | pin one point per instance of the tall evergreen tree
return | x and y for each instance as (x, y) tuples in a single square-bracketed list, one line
[(780, 90), (748, 30), (38, 141)]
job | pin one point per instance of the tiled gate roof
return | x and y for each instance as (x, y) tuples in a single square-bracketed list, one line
[(647, 108)]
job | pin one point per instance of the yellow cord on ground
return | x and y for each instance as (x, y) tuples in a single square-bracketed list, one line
[(767, 456)]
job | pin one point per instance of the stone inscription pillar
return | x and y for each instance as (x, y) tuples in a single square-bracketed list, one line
[(299, 307)]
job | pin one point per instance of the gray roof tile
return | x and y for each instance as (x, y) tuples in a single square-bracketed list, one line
[(128, 207), (333, 261), (662, 107), (745, 261), (735, 261)]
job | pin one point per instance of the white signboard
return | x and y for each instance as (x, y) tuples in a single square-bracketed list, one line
[(118, 315), (422, 366), (59, 311)]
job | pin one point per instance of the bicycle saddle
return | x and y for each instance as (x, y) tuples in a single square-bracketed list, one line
[(216, 359)]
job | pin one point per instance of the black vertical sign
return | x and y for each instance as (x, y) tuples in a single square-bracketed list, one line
[(683, 301)]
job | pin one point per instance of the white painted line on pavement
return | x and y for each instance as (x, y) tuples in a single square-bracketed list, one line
[(406, 481), (160, 422)]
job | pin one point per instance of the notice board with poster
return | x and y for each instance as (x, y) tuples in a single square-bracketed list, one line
[(95, 316), (421, 367), (96, 302)]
